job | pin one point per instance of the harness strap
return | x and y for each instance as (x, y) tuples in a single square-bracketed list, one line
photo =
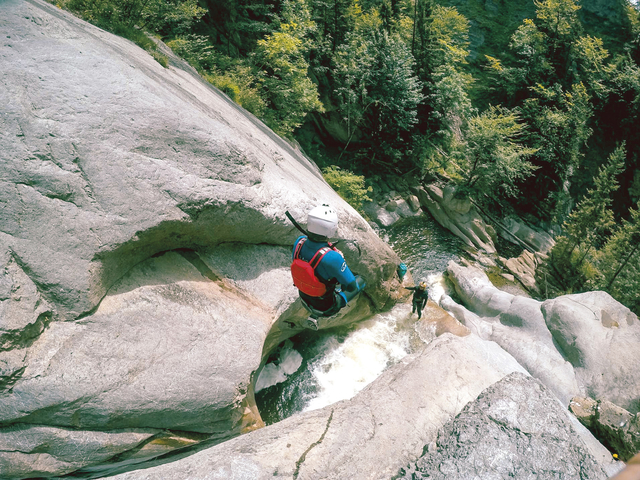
[(298, 248), (317, 258)]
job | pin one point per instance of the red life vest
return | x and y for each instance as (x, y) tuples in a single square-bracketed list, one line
[(304, 273)]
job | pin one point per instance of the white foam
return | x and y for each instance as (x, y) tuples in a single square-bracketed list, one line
[(346, 368), (289, 361), (437, 287)]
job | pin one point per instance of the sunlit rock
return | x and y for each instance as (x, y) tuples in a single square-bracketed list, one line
[(516, 323), (457, 215), (601, 338), (109, 161), (372, 435), (589, 337), (514, 429)]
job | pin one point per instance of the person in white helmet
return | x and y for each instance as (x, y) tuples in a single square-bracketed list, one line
[(318, 267)]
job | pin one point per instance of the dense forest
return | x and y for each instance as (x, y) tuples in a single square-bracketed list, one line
[(528, 107)]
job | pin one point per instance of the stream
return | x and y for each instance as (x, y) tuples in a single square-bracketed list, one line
[(314, 369)]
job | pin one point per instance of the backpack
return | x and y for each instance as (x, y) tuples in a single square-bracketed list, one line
[(304, 273)]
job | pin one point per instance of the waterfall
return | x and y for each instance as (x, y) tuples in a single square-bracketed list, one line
[(316, 369)]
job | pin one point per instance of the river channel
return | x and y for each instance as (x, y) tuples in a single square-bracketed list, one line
[(315, 369)]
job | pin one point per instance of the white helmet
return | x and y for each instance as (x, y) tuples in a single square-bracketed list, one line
[(322, 220)]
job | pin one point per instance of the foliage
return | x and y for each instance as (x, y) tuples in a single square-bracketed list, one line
[(590, 56), (163, 17), (619, 262), (587, 226), (282, 69), (131, 19), (494, 160), (352, 65), (195, 49), (448, 84), (237, 83), (348, 185), (394, 93), (170, 18), (161, 58)]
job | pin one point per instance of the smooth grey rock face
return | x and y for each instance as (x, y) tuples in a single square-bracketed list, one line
[(66, 450), (459, 216), (109, 161), (516, 324), (108, 158), (380, 215), (150, 357), (601, 338), (514, 429), (538, 240), (572, 344), (370, 436)]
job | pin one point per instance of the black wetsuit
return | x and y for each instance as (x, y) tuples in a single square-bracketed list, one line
[(420, 298)]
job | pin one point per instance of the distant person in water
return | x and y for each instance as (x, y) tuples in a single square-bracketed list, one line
[(420, 297)]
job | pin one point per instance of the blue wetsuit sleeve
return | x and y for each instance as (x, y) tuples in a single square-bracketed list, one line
[(334, 266), (293, 251)]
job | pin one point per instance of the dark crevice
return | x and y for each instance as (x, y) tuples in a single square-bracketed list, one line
[(193, 258), (25, 337), (9, 381), (313, 445)]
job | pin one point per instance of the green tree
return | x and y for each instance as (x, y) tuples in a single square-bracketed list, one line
[(395, 93), (590, 55), (197, 50), (558, 127), (280, 59), (558, 20), (170, 18), (376, 89), (448, 84), (352, 67), (494, 160), (619, 262), (441, 47), (587, 225), (348, 185)]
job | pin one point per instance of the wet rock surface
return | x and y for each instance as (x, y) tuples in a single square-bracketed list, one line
[(372, 435)]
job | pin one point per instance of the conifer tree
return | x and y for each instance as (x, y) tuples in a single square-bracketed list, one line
[(619, 262), (587, 224)]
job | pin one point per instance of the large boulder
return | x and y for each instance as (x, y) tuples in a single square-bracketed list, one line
[(589, 337), (144, 246), (523, 267), (457, 215), (372, 435), (517, 231), (515, 323), (151, 356), (601, 338), (514, 429)]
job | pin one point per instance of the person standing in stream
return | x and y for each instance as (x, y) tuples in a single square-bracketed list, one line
[(420, 297), (324, 281)]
